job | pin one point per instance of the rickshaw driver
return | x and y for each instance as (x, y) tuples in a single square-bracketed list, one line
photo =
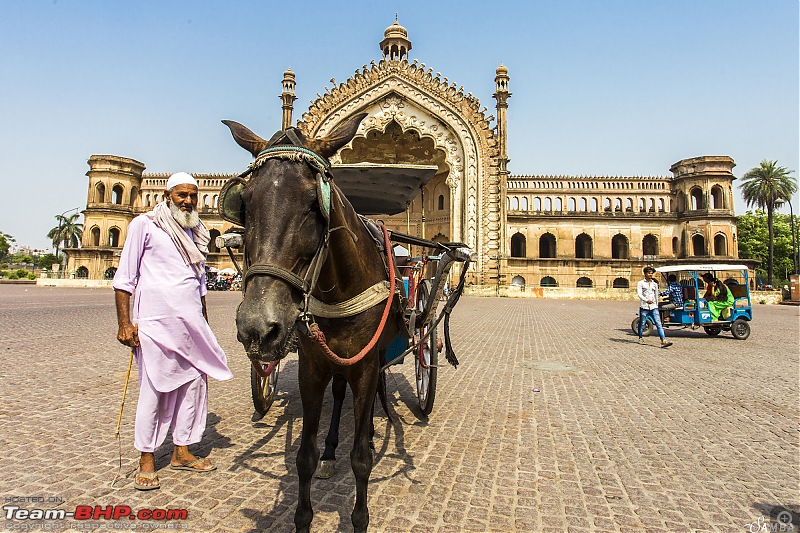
[(675, 292), (647, 290)]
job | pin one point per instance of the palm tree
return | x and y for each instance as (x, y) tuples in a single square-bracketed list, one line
[(768, 186), (68, 232)]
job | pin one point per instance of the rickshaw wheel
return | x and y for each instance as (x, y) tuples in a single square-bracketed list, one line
[(426, 377), (263, 389), (647, 330), (740, 329), (713, 330)]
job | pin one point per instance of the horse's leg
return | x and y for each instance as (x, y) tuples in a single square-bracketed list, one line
[(327, 462), (361, 456), (312, 390)]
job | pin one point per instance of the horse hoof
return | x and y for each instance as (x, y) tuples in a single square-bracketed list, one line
[(325, 469)]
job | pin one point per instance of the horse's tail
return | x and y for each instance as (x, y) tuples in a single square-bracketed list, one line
[(383, 397)]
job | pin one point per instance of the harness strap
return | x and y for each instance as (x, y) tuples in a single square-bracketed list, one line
[(277, 272), (316, 334), (353, 306)]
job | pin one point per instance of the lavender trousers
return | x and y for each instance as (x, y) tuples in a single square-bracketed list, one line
[(184, 408)]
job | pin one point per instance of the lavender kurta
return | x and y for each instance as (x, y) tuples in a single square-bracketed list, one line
[(176, 343)]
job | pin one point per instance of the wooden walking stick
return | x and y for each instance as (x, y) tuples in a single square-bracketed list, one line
[(119, 418)]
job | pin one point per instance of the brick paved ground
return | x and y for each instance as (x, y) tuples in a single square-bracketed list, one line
[(700, 437)]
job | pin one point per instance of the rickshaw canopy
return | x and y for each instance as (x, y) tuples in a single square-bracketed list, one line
[(701, 266)]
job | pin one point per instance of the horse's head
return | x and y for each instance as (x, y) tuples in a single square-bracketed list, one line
[(285, 228)]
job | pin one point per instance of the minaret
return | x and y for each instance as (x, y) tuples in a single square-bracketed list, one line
[(288, 98), (395, 44), (502, 95)]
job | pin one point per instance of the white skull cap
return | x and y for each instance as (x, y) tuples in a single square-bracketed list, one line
[(180, 178)]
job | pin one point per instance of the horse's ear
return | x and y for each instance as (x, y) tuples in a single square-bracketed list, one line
[(246, 138), (343, 134)]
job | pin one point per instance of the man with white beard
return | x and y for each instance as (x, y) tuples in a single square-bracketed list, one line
[(163, 265)]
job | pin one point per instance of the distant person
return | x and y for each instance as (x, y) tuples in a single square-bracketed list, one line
[(675, 293), (720, 298), (162, 263), (647, 290)]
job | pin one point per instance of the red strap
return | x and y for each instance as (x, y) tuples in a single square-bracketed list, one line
[(319, 337)]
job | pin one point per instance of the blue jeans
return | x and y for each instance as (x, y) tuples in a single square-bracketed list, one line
[(656, 318)]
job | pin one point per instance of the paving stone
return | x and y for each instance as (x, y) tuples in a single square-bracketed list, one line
[(622, 437)]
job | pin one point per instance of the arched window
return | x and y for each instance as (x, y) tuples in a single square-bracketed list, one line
[(147, 200), (113, 237), (206, 201), (607, 204), (109, 273), (134, 195), (518, 281), (440, 202), (82, 272), (720, 244), (583, 247), (652, 205), (518, 245), (584, 282), (537, 204), (547, 246), (698, 245), (621, 283), (515, 204), (584, 205), (660, 205), (642, 205), (717, 200), (650, 245), (95, 236), (116, 194), (593, 205), (629, 205), (572, 205), (216, 199), (548, 204), (524, 203), (558, 205), (675, 243), (212, 245), (548, 281), (99, 193), (618, 204), (697, 198), (619, 247), (681, 202)]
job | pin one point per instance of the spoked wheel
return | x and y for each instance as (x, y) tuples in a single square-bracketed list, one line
[(427, 354), (263, 388), (740, 329)]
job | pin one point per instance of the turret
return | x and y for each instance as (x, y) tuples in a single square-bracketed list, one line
[(288, 98), (395, 44)]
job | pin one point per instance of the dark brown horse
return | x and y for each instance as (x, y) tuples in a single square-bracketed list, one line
[(300, 247)]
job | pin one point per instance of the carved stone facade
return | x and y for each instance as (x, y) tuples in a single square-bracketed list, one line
[(532, 230)]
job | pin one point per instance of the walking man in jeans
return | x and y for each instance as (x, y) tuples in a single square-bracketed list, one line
[(647, 289)]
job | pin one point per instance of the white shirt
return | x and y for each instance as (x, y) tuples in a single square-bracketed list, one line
[(647, 291)]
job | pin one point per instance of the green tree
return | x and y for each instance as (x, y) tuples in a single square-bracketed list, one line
[(768, 186), (68, 233), (753, 241), (5, 244), (46, 261)]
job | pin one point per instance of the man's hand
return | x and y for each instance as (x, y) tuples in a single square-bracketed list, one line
[(128, 335), (649, 301)]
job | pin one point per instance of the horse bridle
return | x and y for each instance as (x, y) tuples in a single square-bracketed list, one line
[(322, 167)]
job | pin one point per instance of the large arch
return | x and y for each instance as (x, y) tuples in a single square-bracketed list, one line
[(411, 96)]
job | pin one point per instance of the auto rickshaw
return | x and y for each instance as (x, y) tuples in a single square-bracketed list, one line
[(695, 312)]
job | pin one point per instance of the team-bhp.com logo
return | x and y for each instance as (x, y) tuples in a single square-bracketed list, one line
[(97, 512)]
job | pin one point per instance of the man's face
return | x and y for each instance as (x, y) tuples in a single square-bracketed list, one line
[(648, 275), (184, 196)]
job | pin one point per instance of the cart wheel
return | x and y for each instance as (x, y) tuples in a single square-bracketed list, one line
[(647, 330), (740, 329), (263, 389), (713, 330), (427, 353)]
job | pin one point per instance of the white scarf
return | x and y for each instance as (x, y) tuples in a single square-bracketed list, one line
[(194, 251)]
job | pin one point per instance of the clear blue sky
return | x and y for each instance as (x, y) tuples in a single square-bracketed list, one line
[(599, 87)]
